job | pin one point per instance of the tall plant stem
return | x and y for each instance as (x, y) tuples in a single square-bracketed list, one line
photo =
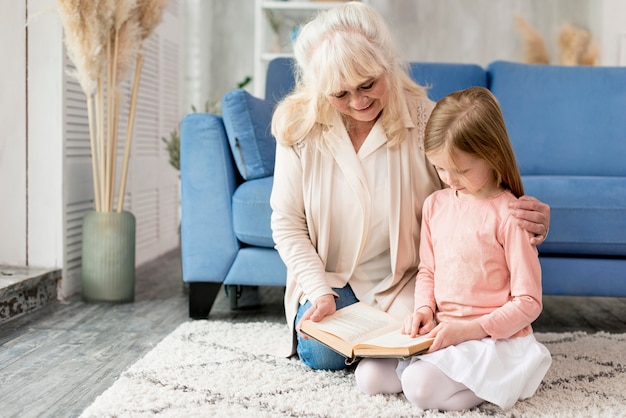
[(100, 139), (129, 131), (114, 116), (94, 153), (114, 150), (109, 94)]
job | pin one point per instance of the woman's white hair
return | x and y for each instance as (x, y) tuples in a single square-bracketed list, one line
[(344, 46)]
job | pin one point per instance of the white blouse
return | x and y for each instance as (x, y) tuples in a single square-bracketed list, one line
[(374, 263)]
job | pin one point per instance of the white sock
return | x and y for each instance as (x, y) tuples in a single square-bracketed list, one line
[(374, 376)]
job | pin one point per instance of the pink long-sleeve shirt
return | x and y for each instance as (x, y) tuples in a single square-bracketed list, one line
[(476, 262)]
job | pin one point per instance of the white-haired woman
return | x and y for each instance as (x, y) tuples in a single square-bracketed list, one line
[(351, 175)]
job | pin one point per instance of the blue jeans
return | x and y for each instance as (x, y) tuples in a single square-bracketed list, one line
[(315, 354)]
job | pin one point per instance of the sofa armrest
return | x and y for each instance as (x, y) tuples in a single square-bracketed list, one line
[(208, 181)]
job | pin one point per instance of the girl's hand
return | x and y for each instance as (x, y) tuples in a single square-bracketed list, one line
[(455, 332), (323, 306), (421, 321), (534, 216)]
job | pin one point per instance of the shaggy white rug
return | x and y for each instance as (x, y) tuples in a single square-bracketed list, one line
[(222, 369)]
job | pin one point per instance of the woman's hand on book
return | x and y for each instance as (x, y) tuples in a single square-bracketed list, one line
[(321, 308), (420, 322)]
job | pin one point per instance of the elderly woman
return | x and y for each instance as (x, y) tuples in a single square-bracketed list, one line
[(351, 175)]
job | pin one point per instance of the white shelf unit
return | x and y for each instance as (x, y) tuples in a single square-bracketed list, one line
[(269, 44)]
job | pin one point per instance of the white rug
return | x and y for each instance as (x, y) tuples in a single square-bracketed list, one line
[(221, 369)]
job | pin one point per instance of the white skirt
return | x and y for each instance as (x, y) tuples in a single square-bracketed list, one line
[(498, 371)]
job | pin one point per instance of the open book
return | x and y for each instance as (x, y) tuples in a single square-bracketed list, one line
[(360, 330)]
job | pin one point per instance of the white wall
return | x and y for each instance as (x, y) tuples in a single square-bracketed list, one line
[(613, 31), (473, 31), (221, 50), (197, 58), (45, 135), (13, 134)]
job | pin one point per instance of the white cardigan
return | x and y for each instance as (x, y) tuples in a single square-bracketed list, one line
[(300, 205)]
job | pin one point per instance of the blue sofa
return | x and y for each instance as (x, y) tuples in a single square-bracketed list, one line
[(567, 125)]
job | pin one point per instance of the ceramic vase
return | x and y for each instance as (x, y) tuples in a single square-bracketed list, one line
[(108, 257)]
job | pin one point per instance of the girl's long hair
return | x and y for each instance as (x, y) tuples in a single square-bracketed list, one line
[(471, 121), (344, 46)]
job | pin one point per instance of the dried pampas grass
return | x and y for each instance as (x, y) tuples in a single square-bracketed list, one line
[(535, 51), (150, 12), (576, 45), (105, 40), (84, 47)]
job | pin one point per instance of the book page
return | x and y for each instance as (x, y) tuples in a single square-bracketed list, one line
[(354, 324), (394, 339)]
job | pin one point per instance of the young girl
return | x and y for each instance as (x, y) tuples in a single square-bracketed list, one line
[(479, 282)]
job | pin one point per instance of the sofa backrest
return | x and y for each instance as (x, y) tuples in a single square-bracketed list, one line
[(563, 120), (279, 78), (440, 78)]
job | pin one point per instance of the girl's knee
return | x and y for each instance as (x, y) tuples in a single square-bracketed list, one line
[(374, 376), (427, 387), (365, 376), (417, 388)]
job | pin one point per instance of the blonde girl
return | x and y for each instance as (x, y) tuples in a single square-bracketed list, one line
[(478, 287)]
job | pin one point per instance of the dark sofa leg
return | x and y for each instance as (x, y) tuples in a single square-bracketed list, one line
[(234, 293), (201, 298)]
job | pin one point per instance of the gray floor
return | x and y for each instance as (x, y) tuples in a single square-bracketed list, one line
[(56, 361)]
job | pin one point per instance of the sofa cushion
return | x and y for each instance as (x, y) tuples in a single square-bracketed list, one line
[(247, 121), (256, 266), (443, 79), (252, 212), (564, 120), (587, 214)]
